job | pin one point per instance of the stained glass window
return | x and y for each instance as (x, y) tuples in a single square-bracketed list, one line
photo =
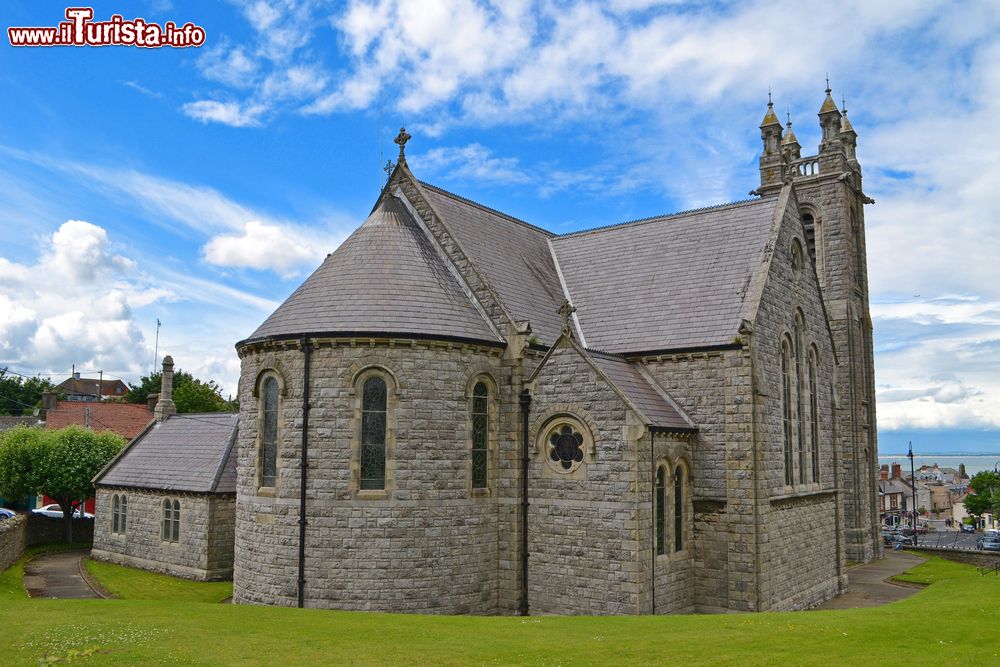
[(167, 520), (813, 416), (269, 439), (678, 509), (177, 522), (566, 447), (800, 412), (480, 435), (786, 408), (373, 421), (661, 509)]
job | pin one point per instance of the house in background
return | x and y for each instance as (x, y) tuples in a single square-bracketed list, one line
[(167, 502), (77, 388), (894, 497)]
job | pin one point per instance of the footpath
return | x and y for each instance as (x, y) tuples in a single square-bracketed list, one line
[(57, 575), (869, 585)]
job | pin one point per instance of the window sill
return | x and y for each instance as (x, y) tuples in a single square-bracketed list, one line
[(371, 494), (266, 492), (811, 490), (481, 493)]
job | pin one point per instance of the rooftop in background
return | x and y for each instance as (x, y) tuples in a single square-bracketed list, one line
[(11, 421), (126, 419), (189, 452), (88, 389)]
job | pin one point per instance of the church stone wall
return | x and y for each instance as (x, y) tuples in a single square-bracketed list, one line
[(802, 538), (584, 527), (713, 388), (194, 556), (429, 543)]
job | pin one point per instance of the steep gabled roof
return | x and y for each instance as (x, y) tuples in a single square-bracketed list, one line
[(126, 419), (513, 256), (386, 278), (188, 452), (669, 282)]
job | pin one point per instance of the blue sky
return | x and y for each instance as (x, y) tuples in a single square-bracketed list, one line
[(200, 186)]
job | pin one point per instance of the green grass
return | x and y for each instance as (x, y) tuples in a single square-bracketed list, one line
[(951, 622), (132, 584), (12, 579)]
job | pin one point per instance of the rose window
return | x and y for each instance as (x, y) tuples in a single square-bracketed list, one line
[(565, 448)]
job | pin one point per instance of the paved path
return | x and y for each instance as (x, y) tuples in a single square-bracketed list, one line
[(869, 585), (57, 576)]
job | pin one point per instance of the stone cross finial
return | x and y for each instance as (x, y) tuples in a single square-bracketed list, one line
[(566, 311), (388, 170), (401, 139)]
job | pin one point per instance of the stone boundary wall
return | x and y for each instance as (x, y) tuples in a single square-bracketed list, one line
[(48, 530), (977, 558), (13, 540)]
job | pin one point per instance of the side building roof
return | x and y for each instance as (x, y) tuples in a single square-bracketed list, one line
[(669, 282), (187, 452)]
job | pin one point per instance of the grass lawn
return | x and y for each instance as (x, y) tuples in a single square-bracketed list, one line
[(954, 621), (132, 584)]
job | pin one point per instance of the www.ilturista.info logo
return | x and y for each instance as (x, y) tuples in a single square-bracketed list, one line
[(80, 30)]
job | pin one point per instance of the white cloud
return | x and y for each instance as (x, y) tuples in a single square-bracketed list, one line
[(234, 114), (75, 305), (471, 162), (263, 246), (229, 65)]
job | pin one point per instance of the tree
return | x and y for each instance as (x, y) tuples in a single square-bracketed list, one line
[(20, 395), (985, 496), (18, 452), (59, 464), (189, 393)]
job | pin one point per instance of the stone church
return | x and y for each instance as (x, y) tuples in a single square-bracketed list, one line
[(460, 412)]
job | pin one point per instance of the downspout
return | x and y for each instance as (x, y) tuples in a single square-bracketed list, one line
[(525, 400), (303, 469), (656, 519), (747, 332)]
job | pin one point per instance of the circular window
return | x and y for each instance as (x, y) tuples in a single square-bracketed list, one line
[(565, 446)]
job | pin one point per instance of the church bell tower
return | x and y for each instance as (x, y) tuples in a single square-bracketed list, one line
[(831, 203)]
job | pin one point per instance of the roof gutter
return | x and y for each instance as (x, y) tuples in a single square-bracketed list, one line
[(369, 334)]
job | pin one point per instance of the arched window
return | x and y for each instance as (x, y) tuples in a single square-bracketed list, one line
[(800, 411), (661, 510), (810, 224), (171, 530), (269, 433), (480, 435), (813, 415), (373, 425), (859, 250), (115, 513), (786, 407), (678, 508), (124, 513)]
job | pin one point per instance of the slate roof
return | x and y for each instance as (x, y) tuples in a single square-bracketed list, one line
[(669, 282), (126, 419), (513, 256), (188, 452), (386, 277), (651, 402)]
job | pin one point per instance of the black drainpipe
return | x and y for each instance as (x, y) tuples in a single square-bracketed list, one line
[(656, 519), (525, 408), (303, 468)]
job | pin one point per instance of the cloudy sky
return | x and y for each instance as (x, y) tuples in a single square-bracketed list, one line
[(200, 186)]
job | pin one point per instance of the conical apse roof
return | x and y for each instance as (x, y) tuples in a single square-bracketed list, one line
[(386, 278)]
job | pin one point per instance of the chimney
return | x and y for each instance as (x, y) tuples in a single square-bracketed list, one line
[(883, 472), (165, 405), (151, 401), (897, 471), (49, 402)]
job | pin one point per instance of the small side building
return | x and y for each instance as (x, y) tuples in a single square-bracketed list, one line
[(167, 502)]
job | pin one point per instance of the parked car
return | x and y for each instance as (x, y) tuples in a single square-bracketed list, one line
[(987, 543), (899, 538), (6, 513), (55, 512), (967, 528)]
